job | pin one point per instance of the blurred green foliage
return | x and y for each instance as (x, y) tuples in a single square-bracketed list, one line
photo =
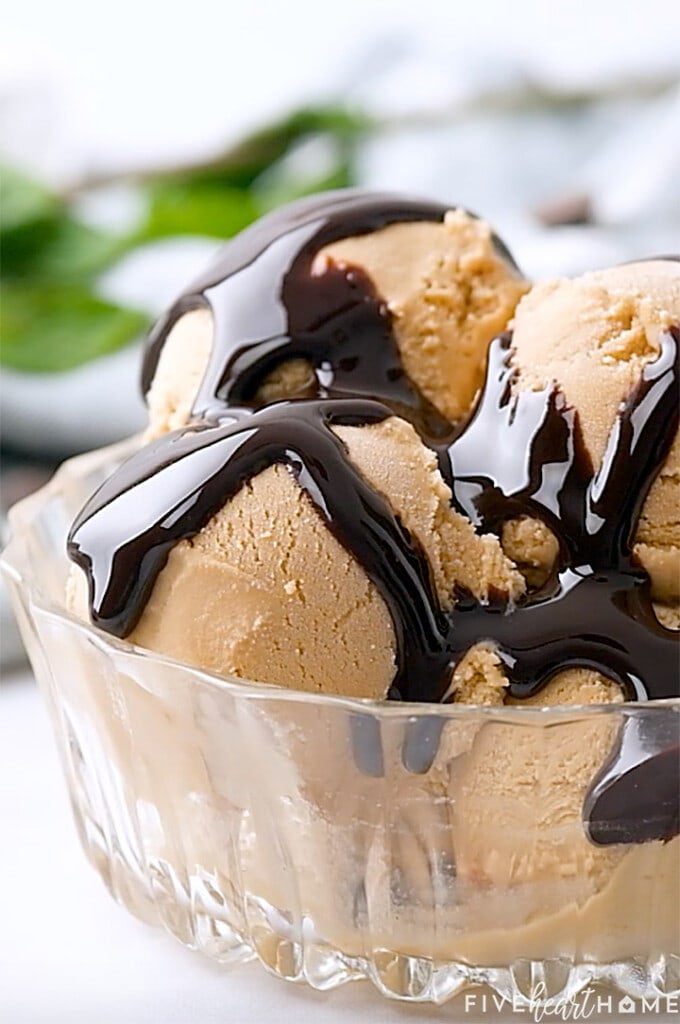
[(56, 326), (52, 316)]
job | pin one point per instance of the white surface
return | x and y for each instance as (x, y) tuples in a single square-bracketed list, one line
[(70, 955)]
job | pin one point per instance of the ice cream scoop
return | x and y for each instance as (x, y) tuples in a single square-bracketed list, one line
[(594, 335), (265, 590), (447, 282)]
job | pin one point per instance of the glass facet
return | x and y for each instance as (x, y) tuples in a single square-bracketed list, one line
[(311, 833)]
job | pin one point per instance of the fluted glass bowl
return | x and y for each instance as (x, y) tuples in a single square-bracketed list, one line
[(253, 821)]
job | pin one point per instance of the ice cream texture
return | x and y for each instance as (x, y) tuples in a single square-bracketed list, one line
[(349, 487), (594, 335), (306, 615), (447, 286)]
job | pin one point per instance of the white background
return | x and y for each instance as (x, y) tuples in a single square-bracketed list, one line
[(150, 80)]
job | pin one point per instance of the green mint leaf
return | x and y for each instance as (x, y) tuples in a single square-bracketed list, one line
[(49, 327), (41, 239), (193, 209), (59, 249), (51, 319), (22, 200)]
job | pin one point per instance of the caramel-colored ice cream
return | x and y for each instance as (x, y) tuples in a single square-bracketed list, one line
[(280, 599), (448, 286), (450, 290), (474, 569), (593, 335), (266, 592), (262, 588)]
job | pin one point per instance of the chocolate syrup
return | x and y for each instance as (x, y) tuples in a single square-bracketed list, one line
[(269, 307), (595, 610), (521, 453), (194, 472)]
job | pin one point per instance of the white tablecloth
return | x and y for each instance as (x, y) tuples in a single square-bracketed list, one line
[(70, 955)]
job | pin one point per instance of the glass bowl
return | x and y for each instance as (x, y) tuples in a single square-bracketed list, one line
[(253, 821)]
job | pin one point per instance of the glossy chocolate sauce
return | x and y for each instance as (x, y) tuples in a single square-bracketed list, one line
[(596, 609), (178, 483), (270, 307), (520, 454)]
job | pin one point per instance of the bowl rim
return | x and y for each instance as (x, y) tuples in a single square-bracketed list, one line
[(20, 518)]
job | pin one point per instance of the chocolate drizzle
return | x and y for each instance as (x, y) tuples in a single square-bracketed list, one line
[(595, 610), (269, 306), (204, 466), (521, 453)]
